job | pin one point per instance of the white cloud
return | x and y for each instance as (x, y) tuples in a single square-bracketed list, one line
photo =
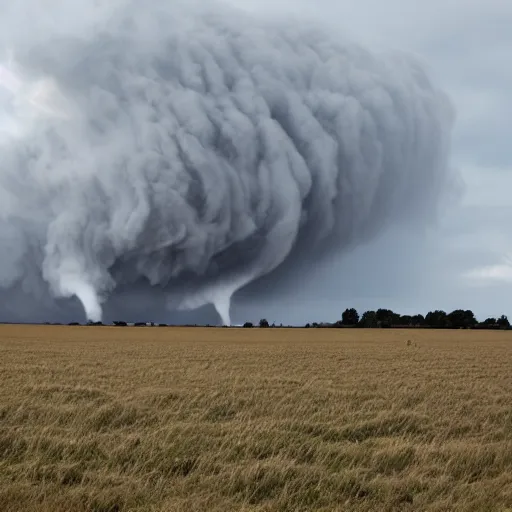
[(491, 274)]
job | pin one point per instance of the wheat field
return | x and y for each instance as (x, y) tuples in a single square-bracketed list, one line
[(111, 419)]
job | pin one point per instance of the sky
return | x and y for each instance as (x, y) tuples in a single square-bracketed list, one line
[(462, 261)]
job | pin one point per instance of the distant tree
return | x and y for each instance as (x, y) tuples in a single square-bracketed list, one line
[(418, 320), (489, 323), (386, 318), (469, 319), (436, 319), (405, 321), (350, 317), (461, 319), (307, 326), (503, 322), (369, 319), (264, 323), (248, 325), (455, 319), (120, 323)]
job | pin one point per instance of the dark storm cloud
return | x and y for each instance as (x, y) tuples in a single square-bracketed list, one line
[(203, 149)]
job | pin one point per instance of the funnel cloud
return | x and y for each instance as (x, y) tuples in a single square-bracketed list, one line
[(198, 149)]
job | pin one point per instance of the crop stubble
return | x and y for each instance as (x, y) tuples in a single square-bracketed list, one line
[(174, 419)]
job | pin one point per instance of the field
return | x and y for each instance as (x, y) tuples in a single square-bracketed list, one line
[(168, 419)]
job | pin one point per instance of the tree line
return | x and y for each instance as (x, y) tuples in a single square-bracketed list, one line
[(381, 318), (438, 319), (385, 318)]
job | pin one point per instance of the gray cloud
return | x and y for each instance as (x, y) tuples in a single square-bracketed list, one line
[(204, 149), (465, 47)]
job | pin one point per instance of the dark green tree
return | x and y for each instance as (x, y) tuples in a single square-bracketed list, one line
[(469, 318), (489, 323), (350, 317), (418, 320), (386, 318), (405, 321), (369, 319), (436, 319), (264, 323), (503, 322), (461, 319)]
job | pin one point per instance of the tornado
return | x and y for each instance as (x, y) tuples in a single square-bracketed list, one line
[(194, 148)]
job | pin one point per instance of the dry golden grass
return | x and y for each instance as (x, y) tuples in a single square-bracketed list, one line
[(157, 419)]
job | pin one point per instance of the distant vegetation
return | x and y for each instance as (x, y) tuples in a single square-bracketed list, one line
[(381, 318), (385, 318)]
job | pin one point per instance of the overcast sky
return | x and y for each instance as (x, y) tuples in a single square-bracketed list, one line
[(465, 261), (466, 45)]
